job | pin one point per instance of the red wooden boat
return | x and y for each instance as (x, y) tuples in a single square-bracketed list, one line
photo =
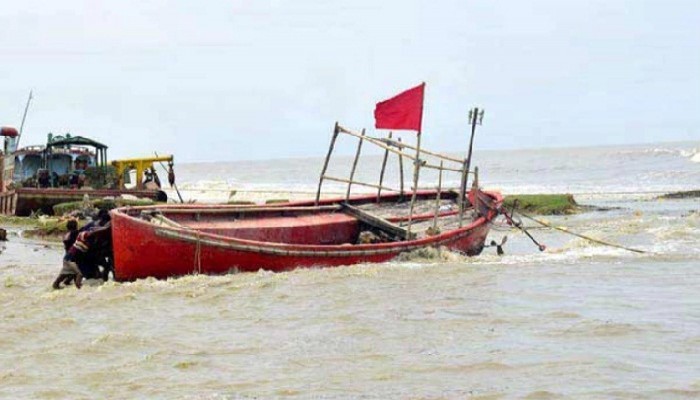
[(185, 239), (171, 241)]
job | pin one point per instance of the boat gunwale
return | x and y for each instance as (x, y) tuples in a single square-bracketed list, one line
[(223, 208), (33, 191), (318, 250), (196, 236), (333, 200)]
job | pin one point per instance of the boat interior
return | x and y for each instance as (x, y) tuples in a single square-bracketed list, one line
[(332, 224), (389, 216)]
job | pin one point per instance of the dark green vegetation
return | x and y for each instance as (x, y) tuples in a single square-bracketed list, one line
[(50, 228), (240, 202), (108, 204), (11, 220), (53, 228), (689, 194), (543, 204), (276, 201)]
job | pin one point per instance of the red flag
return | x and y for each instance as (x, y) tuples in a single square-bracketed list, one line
[(403, 111)]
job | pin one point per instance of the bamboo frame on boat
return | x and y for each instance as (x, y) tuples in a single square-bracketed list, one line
[(325, 163), (440, 168), (400, 145), (383, 144), (474, 116), (342, 180), (401, 173), (462, 192), (381, 174), (416, 174), (354, 164), (437, 199), (475, 184), (379, 143), (389, 145)]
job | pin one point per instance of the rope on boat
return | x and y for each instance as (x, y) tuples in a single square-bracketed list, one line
[(198, 254), (197, 261), (281, 191), (566, 230)]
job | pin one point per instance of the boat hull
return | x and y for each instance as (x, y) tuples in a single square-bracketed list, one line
[(142, 249)]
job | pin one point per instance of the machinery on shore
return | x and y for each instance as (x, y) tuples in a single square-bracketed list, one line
[(35, 178)]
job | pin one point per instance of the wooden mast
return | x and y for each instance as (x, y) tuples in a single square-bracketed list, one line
[(417, 165), (474, 116), (462, 190), (416, 173)]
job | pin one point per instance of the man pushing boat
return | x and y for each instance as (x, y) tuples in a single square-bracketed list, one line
[(69, 271), (87, 250)]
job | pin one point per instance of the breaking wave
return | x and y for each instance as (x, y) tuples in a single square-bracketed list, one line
[(690, 153), (431, 254)]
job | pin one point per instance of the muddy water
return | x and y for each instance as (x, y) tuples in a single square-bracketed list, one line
[(578, 321)]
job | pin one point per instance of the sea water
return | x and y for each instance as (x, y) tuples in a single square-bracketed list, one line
[(579, 320)]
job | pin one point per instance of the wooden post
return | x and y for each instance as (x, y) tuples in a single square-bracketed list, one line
[(354, 165), (416, 173), (381, 174), (475, 116), (462, 190), (437, 198), (401, 192), (325, 163), (475, 187)]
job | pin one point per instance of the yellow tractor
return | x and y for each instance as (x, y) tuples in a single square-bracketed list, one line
[(143, 167)]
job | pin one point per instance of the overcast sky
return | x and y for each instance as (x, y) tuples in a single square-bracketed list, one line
[(231, 80)]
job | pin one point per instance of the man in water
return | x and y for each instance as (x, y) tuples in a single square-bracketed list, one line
[(101, 219), (70, 270), (93, 245), (88, 251)]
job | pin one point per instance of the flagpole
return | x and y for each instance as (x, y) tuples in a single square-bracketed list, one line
[(416, 169), (416, 172)]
